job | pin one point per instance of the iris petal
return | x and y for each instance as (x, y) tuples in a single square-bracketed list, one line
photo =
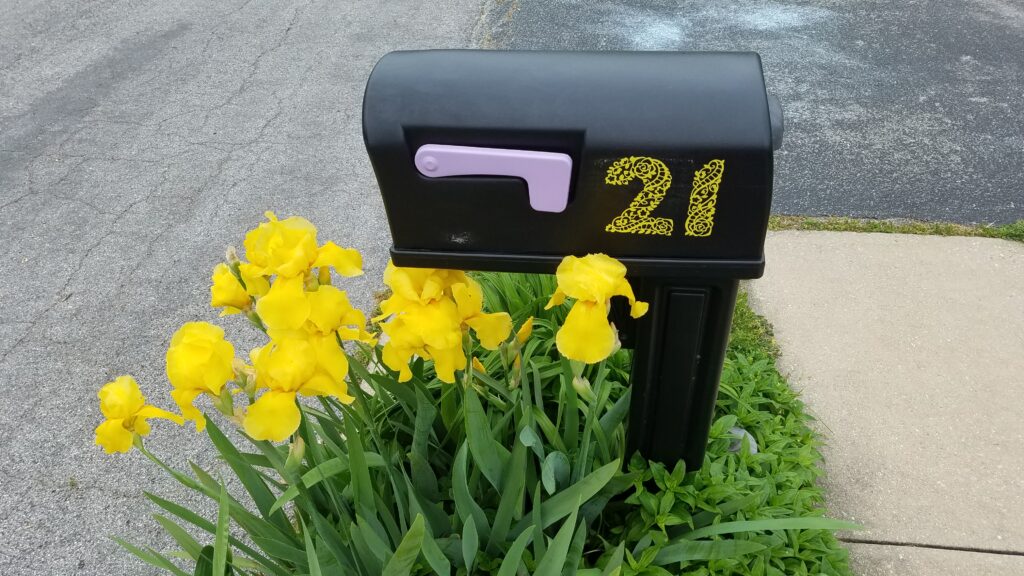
[(447, 361), (491, 329), (346, 261), (285, 307), (113, 436), (121, 398), (586, 335), (273, 416)]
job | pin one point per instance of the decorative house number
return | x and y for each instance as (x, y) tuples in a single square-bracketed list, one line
[(657, 179)]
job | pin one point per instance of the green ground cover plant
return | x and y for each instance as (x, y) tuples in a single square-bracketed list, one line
[(1013, 231), (511, 461)]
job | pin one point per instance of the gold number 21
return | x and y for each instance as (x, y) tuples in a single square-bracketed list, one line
[(656, 178)]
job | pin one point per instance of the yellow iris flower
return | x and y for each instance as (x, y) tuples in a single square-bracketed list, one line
[(256, 283), (431, 331), (126, 413), (305, 317), (199, 360), (416, 285), (427, 314), (289, 311), (314, 366), (592, 281), (288, 248), (283, 247), (227, 292)]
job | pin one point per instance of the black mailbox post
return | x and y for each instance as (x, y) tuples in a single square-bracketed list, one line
[(509, 161)]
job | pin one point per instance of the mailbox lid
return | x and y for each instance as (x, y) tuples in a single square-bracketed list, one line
[(653, 100), (684, 110)]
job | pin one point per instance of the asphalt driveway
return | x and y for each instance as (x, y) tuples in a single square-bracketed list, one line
[(893, 109), (137, 140)]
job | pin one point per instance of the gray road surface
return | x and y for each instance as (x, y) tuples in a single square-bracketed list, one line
[(893, 109), (137, 140)]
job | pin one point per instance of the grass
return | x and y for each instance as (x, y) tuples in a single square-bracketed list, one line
[(750, 333), (1013, 231)]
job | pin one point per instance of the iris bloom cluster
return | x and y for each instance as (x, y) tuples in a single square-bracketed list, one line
[(429, 313), (306, 319), (285, 289)]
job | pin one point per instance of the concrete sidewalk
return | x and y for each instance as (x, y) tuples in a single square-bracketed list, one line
[(910, 352)]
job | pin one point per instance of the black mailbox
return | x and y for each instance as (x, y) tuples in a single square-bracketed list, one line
[(509, 161)]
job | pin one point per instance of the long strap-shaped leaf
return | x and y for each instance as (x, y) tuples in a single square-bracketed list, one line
[(514, 557), (567, 501), (813, 523), (489, 456), (465, 505), (705, 550), (220, 540), (322, 472), (553, 561), (250, 478), (405, 556), (311, 558)]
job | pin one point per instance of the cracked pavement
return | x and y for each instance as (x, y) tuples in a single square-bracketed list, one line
[(137, 141)]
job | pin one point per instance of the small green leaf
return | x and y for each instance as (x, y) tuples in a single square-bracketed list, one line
[(554, 471), (614, 565), (204, 564), (530, 439), (615, 415), (548, 429)]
